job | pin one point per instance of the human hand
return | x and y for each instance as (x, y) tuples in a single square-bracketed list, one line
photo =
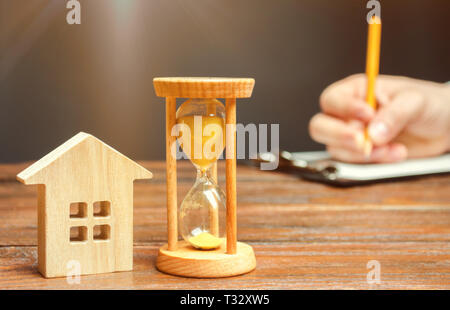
[(412, 119)]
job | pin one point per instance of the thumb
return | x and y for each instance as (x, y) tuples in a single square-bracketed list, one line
[(393, 117)]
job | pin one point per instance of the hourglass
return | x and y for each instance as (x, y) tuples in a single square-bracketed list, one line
[(206, 218)]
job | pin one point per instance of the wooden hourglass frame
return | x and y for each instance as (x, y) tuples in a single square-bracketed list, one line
[(179, 257)]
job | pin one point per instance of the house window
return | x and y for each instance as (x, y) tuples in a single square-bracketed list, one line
[(84, 219), (102, 232), (78, 210), (102, 208), (78, 233)]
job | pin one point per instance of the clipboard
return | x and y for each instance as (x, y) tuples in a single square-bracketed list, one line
[(318, 166)]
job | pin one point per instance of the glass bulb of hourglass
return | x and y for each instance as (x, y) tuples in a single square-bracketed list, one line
[(202, 133)]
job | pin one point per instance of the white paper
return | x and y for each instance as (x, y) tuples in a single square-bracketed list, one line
[(365, 172)]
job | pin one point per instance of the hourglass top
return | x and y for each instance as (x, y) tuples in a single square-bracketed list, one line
[(203, 87)]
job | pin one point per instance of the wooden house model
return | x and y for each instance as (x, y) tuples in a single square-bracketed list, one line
[(85, 207)]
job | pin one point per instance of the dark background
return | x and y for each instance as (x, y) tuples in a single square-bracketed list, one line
[(58, 79)]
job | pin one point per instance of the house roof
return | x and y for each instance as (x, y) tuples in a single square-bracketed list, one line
[(26, 176)]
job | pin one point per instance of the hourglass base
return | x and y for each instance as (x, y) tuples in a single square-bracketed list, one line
[(186, 261)]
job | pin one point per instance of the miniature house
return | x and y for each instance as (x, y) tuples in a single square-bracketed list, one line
[(85, 207)]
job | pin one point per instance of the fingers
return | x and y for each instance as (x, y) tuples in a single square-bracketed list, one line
[(343, 104), (345, 107), (392, 118), (420, 147), (342, 100), (390, 153), (335, 132)]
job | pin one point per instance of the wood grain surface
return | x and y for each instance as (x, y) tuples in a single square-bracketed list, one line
[(217, 263), (203, 87), (305, 235)]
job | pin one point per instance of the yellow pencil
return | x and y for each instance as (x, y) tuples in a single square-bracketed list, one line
[(372, 68)]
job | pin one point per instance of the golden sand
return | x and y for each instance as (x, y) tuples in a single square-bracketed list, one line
[(205, 241)]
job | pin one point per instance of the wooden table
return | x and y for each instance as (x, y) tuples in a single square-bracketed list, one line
[(305, 235)]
